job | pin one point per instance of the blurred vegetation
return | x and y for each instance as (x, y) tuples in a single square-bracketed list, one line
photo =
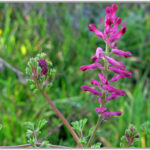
[(61, 31)]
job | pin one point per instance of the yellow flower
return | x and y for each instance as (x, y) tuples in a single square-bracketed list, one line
[(0, 31), (23, 50)]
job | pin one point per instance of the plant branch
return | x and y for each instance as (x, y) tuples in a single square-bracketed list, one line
[(100, 119), (27, 145), (60, 115), (19, 73)]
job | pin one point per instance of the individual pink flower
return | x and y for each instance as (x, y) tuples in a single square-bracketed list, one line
[(93, 91), (95, 83), (100, 110), (123, 73), (115, 95), (102, 79), (113, 45), (100, 100), (111, 89), (96, 31), (110, 18), (91, 66), (116, 78), (117, 36), (98, 55), (115, 63), (108, 114), (121, 53), (115, 27)]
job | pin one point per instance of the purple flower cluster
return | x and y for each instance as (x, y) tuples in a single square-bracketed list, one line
[(110, 36), (130, 137), (43, 65)]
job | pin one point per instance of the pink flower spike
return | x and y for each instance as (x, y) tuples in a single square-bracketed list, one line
[(98, 55), (95, 83), (93, 91), (115, 63), (108, 114), (103, 79), (121, 53), (91, 67), (96, 31), (100, 110)]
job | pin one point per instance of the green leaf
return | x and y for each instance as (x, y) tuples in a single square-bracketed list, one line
[(41, 124), (32, 86), (83, 122), (39, 70), (97, 145), (83, 141), (29, 125), (29, 133), (28, 71), (32, 141), (45, 144), (91, 131), (29, 82), (49, 63)]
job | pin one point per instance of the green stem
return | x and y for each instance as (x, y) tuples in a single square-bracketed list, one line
[(100, 119)]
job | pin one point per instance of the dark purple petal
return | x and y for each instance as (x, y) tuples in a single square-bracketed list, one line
[(127, 137), (44, 66)]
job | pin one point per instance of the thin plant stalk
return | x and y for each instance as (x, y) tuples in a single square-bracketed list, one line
[(59, 114), (28, 145)]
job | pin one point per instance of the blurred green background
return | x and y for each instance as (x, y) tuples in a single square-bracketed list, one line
[(61, 31)]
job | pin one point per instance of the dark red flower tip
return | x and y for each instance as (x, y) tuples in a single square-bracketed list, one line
[(43, 65), (91, 27), (124, 29), (119, 20)]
